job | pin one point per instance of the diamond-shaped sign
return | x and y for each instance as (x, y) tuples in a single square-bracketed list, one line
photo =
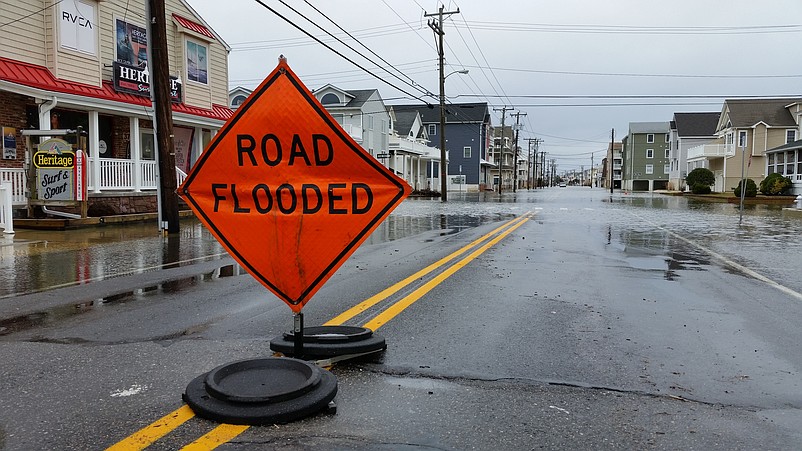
[(287, 191)]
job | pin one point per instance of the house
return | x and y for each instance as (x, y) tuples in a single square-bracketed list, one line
[(238, 95), (501, 155), (746, 131), (646, 156), (65, 65), (467, 142), (612, 173), (687, 130), (411, 155), (787, 159), (362, 114)]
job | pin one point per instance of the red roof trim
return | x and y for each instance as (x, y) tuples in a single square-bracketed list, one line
[(194, 26), (40, 77)]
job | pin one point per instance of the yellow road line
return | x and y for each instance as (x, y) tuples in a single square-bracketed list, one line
[(226, 432), (216, 437), (156, 430), (392, 311), (389, 291)]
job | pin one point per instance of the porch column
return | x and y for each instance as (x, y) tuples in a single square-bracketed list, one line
[(94, 144), (136, 154), (197, 145)]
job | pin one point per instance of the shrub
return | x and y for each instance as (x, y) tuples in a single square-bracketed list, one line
[(751, 189), (700, 176), (700, 188), (775, 184)]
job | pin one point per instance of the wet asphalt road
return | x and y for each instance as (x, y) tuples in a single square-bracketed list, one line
[(613, 322)]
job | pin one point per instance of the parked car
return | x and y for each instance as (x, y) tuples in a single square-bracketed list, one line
[(562, 185)]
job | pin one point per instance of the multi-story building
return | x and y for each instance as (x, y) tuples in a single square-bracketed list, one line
[(467, 142), (612, 166), (501, 155), (687, 130), (362, 114), (411, 154), (746, 132), (84, 63), (646, 156)]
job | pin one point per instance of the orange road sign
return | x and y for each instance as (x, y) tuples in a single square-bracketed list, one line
[(287, 191)]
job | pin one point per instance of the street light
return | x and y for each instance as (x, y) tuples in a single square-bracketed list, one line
[(443, 162)]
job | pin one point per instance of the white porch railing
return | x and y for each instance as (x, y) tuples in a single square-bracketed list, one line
[(16, 177), (116, 174), (6, 208), (706, 151)]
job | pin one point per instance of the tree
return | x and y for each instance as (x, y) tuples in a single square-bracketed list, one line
[(700, 180)]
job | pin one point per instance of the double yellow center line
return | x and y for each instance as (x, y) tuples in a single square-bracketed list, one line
[(226, 432)]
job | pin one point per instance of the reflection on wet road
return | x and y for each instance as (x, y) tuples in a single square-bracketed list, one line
[(642, 223)]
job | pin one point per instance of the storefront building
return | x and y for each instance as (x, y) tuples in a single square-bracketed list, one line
[(83, 63)]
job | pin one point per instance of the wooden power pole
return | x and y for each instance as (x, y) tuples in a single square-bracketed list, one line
[(162, 105)]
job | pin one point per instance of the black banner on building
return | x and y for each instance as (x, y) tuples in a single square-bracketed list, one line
[(136, 80)]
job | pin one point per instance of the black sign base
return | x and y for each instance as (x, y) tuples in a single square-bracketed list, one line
[(262, 391), (320, 342)]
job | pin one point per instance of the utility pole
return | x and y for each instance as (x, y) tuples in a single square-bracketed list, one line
[(591, 169), (542, 169), (162, 106), (612, 157), (437, 27), (531, 160), (515, 150), (501, 146)]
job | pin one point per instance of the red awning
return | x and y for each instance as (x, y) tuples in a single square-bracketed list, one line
[(194, 26), (40, 77)]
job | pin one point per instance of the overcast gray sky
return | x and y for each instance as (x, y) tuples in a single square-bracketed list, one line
[(519, 51)]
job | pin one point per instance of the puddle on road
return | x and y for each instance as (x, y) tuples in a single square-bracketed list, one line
[(54, 315)]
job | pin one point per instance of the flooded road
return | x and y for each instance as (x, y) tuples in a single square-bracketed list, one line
[(564, 318), (652, 226)]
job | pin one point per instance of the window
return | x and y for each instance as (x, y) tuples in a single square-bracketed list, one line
[(790, 136), (650, 169), (742, 138), (148, 143), (432, 129), (666, 169), (330, 99), (237, 101), (370, 122), (668, 153), (132, 44), (649, 153), (197, 63), (650, 138), (666, 137), (77, 26), (466, 152)]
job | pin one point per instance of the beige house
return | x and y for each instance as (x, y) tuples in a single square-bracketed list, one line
[(84, 63), (746, 130)]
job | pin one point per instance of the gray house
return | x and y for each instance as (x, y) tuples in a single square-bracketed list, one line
[(467, 142), (363, 115), (687, 130)]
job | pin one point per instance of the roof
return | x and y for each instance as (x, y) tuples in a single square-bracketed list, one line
[(40, 77), (648, 127), (796, 145), (404, 121), (455, 112), (696, 124), (748, 112)]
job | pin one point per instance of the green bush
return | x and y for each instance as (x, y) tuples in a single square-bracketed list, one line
[(700, 188), (700, 176), (751, 189), (775, 184)]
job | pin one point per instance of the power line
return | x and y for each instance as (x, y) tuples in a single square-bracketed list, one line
[(336, 52), (621, 74)]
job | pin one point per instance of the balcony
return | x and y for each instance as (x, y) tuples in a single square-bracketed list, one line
[(710, 151)]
